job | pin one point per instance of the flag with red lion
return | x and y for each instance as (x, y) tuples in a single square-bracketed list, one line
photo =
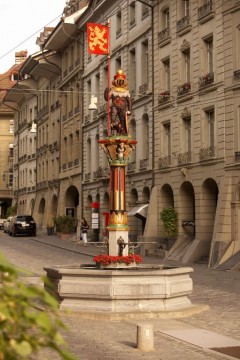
[(98, 39)]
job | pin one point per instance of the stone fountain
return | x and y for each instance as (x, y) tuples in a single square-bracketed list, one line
[(116, 288)]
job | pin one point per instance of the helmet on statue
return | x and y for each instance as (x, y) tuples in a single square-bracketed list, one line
[(120, 79)]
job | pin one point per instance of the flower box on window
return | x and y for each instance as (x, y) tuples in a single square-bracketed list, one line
[(184, 88)]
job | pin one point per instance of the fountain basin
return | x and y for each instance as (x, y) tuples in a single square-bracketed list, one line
[(146, 288)]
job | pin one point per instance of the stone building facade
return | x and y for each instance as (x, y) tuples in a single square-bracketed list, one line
[(182, 64), (7, 82), (130, 50), (196, 125)]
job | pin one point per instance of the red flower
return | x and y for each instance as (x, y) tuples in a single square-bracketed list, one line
[(109, 259)]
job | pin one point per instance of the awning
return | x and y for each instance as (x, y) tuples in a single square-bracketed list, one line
[(139, 211)]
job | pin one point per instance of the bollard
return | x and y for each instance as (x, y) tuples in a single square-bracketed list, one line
[(145, 337)]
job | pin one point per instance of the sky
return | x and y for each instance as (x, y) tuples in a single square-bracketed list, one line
[(21, 23)]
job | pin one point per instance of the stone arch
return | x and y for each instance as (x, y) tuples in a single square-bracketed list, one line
[(87, 212), (166, 196), (31, 206), (146, 195), (236, 214), (133, 197), (209, 199), (72, 200), (41, 211)]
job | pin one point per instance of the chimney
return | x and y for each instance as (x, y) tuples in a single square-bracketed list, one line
[(20, 56)]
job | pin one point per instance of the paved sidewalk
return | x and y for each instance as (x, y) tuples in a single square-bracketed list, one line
[(186, 337)]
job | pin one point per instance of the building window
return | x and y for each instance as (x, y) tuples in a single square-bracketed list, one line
[(185, 7), (185, 141), (209, 54), (237, 52), (118, 63), (208, 137), (166, 74), (97, 85), (166, 143), (145, 62), (145, 10), (11, 126), (89, 93), (145, 135), (132, 14), (186, 67), (105, 77), (132, 131), (118, 24), (166, 18), (132, 70), (89, 156)]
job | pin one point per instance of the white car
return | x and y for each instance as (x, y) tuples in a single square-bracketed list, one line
[(6, 224)]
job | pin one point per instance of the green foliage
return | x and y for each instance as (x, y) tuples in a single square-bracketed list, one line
[(11, 211), (169, 217), (65, 224), (24, 330)]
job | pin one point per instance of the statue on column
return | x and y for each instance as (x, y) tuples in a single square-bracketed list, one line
[(120, 104)]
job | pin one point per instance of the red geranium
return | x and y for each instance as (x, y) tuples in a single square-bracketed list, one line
[(105, 259)]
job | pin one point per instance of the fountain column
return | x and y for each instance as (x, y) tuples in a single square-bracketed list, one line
[(117, 149)]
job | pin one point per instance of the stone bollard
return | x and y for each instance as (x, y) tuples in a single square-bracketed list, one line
[(145, 337)]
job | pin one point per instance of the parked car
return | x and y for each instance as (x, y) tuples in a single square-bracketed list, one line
[(22, 225), (6, 224), (2, 223)]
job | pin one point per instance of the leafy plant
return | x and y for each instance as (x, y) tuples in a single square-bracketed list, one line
[(12, 210), (65, 224), (24, 330), (169, 218)]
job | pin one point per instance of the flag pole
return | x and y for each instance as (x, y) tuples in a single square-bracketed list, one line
[(108, 103)]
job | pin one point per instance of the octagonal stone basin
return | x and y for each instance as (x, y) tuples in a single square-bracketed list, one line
[(145, 288)]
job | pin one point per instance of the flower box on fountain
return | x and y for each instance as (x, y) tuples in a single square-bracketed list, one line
[(105, 261)]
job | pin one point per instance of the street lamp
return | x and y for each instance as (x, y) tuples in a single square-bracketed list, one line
[(93, 104), (33, 128)]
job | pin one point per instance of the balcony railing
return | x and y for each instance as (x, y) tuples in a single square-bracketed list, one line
[(87, 118), (101, 172), (44, 111), (237, 156), (183, 23), (131, 166), (207, 153), (184, 158), (164, 162), (143, 88), (133, 94), (88, 176), (143, 164), (236, 75), (164, 97), (205, 10), (76, 162), (163, 35), (184, 89), (206, 80)]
